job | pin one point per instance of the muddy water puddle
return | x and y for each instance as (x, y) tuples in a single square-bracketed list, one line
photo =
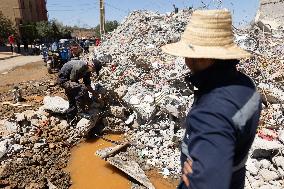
[(88, 171)]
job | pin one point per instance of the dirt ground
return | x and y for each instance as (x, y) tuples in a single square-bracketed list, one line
[(34, 80), (29, 72)]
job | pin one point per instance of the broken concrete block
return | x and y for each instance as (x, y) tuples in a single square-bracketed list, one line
[(118, 111), (281, 136), (121, 91), (278, 161), (264, 163), (265, 149), (272, 94), (268, 175), (252, 166), (11, 127), (132, 169), (84, 125), (3, 148), (55, 104)]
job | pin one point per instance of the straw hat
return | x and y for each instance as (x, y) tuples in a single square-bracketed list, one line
[(208, 35)]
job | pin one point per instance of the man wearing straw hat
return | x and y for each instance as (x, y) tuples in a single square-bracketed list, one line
[(222, 123)]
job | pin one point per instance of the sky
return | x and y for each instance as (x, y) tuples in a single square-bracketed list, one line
[(85, 13)]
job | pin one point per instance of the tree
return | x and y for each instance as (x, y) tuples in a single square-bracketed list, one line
[(109, 27), (29, 31), (52, 30), (6, 28)]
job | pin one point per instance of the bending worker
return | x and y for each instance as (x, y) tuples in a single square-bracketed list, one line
[(77, 94), (222, 122)]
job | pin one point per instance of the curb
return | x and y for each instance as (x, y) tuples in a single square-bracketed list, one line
[(9, 57)]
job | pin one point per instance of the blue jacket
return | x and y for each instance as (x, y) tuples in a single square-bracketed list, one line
[(220, 128)]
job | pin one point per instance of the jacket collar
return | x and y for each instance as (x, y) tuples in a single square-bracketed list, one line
[(215, 76)]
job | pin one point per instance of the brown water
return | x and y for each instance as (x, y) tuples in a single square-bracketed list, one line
[(90, 172)]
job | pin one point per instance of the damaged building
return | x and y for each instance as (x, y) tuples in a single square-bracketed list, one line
[(270, 15)]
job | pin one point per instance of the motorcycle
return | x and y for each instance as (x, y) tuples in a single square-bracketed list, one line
[(45, 53), (56, 59)]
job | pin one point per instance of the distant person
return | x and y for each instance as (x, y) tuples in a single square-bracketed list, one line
[(26, 46), (87, 46), (97, 41), (175, 9), (54, 46), (18, 42), (11, 40), (82, 44)]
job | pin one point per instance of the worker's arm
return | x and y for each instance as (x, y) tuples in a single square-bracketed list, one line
[(87, 81), (210, 144)]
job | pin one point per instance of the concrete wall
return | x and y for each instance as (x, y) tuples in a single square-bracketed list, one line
[(22, 11), (11, 9)]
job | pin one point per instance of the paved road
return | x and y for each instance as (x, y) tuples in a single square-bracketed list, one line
[(9, 64)]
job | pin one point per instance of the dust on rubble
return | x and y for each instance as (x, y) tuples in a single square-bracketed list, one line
[(144, 99)]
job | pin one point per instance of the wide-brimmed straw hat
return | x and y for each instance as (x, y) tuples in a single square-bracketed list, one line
[(208, 35)]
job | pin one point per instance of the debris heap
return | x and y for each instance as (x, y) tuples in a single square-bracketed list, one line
[(149, 84), (145, 96)]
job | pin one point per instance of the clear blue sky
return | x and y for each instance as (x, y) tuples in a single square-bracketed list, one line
[(85, 13)]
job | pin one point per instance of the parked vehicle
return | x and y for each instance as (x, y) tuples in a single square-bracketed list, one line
[(44, 52), (56, 59)]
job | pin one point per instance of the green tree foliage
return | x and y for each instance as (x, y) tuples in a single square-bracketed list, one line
[(45, 31), (109, 27), (29, 31), (6, 28)]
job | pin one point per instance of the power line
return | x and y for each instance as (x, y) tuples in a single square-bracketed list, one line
[(114, 7)]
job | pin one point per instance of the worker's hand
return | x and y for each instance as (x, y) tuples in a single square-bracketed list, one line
[(187, 170)]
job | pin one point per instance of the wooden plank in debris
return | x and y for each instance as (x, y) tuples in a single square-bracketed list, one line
[(16, 105), (107, 152)]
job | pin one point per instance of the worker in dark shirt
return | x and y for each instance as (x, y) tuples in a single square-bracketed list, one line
[(222, 122), (77, 94)]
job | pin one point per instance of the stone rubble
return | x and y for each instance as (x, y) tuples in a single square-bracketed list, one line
[(145, 96), (150, 85)]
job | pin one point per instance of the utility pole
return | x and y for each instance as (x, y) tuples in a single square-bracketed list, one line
[(102, 17)]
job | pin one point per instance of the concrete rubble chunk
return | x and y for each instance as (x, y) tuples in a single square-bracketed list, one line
[(11, 127), (3, 148), (132, 169), (118, 111), (272, 94), (281, 136), (278, 161), (252, 166), (264, 163), (84, 125), (268, 175), (264, 149), (55, 104), (267, 186)]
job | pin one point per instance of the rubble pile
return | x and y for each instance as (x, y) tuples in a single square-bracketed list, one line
[(32, 93), (144, 95), (267, 70), (140, 36), (150, 85), (35, 144)]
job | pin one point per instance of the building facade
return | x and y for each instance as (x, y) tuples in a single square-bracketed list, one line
[(24, 11)]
